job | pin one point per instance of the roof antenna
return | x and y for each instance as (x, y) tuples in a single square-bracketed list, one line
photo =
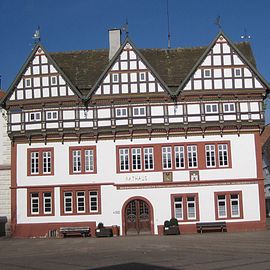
[(218, 23), (168, 24), (245, 36), (125, 28), (36, 36)]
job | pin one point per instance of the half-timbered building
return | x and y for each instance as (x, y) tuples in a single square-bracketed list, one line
[(132, 137)]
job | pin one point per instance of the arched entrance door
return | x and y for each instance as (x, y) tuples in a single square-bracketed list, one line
[(138, 217)]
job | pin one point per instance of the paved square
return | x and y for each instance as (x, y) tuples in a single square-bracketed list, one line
[(207, 251)]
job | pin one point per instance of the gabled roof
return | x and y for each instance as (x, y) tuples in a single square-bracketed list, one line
[(85, 68), (242, 49), (25, 66)]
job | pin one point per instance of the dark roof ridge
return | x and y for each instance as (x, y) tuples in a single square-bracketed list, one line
[(79, 51)]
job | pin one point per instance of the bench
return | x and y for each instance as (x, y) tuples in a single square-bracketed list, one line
[(83, 231), (206, 226)]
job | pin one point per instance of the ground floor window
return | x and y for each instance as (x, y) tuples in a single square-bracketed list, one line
[(81, 200), (40, 202), (185, 207), (229, 205)]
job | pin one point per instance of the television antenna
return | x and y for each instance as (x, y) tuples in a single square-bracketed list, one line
[(36, 35), (217, 22), (168, 25)]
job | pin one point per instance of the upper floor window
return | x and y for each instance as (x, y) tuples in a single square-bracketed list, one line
[(192, 156), (223, 158), (121, 112), (179, 153), (207, 73), (34, 116), (40, 161), (211, 108), (139, 111), (229, 107), (142, 76), (166, 158), (210, 155), (237, 72), (148, 158), (82, 160), (53, 80), (229, 205), (115, 78), (52, 115), (28, 82)]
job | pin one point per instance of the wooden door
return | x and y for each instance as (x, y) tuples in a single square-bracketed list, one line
[(138, 217)]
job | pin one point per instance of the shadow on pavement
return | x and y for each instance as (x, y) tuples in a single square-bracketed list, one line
[(133, 266)]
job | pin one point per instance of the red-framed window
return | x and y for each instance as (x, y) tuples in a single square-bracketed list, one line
[(82, 200), (171, 157), (40, 161), (40, 202), (82, 160), (185, 207), (228, 205)]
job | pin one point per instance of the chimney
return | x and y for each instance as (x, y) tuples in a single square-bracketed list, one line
[(114, 41)]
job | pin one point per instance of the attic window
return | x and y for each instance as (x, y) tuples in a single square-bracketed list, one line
[(142, 76), (207, 73), (28, 82), (237, 72), (53, 80), (115, 78)]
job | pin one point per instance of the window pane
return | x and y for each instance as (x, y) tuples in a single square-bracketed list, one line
[(93, 198), (223, 155), (34, 203), (80, 202), (124, 159), (178, 208), (192, 156), (89, 160), (222, 209), (210, 155), (76, 157), (47, 202), (34, 163), (191, 210), (136, 159), (179, 157), (47, 162), (148, 159), (68, 202), (166, 157)]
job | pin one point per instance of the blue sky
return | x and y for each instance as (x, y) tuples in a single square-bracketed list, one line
[(83, 24)]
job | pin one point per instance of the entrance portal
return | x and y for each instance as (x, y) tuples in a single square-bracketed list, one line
[(138, 217)]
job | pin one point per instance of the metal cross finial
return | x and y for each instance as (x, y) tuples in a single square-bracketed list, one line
[(125, 27), (217, 22), (36, 35)]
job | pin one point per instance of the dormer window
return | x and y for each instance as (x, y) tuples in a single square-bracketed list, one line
[(28, 82), (207, 73), (237, 72), (53, 80), (115, 77)]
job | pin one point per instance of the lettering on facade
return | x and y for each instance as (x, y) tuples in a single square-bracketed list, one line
[(136, 178)]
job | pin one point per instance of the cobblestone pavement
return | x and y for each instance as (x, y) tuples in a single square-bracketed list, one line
[(250, 250)]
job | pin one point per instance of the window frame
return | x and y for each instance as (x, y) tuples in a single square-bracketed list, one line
[(82, 150), (185, 197), (41, 166), (74, 200), (41, 201), (35, 119), (121, 115), (228, 200), (211, 106), (52, 115), (139, 114), (227, 111)]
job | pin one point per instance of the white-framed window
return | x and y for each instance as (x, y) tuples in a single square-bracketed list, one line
[(142, 76), (34, 203), (47, 162), (192, 156), (228, 107), (52, 115), (93, 201), (136, 159), (222, 207), (77, 161), (178, 208), (211, 108), (121, 112), (179, 154), (68, 202), (191, 207), (223, 155), (207, 73), (80, 202), (115, 78), (124, 159), (237, 72), (28, 82), (47, 202), (139, 111), (148, 158), (210, 155), (89, 160), (34, 162), (166, 157), (235, 206), (34, 116)]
